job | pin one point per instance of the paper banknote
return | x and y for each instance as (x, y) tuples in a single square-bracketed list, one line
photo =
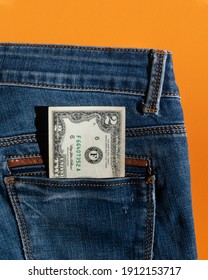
[(86, 142)]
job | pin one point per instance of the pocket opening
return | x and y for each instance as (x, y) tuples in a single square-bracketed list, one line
[(37, 165)]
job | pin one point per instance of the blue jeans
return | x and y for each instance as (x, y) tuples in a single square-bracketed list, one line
[(145, 215)]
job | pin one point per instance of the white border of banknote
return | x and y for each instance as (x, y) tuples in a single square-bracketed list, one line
[(77, 115)]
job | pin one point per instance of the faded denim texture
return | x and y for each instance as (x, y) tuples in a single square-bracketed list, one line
[(147, 214)]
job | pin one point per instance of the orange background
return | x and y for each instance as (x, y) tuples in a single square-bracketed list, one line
[(180, 26)]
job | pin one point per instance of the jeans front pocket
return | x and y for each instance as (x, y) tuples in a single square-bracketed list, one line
[(84, 218)]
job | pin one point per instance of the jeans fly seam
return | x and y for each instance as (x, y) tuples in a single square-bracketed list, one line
[(20, 219)]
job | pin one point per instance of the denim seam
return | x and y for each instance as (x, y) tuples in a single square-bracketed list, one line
[(24, 156), (17, 138), (150, 109), (18, 142), (168, 94), (20, 219), (133, 174), (130, 132), (151, 221), (135, 134), (81, 184), (40, 155), (159, 127), (44, 172), (31, 173), (157, 82), (149, 224), (107, 48), (13, 157), (136, 156)]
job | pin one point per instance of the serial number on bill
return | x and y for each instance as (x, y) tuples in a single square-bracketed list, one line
[(154, 270)]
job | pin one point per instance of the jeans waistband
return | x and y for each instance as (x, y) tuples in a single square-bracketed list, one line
[(74, 67)]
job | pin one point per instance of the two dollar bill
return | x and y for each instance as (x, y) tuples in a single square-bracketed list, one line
[(86, 142)]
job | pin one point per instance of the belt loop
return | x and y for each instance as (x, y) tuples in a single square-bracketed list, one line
[(151, 103)]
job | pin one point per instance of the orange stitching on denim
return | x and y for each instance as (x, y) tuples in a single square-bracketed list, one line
[(9, 181), (150, 109), (86, 88), (71, 87), (139, 92), (156, 85)]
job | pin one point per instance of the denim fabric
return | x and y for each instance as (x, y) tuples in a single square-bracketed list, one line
[(145, 215)]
